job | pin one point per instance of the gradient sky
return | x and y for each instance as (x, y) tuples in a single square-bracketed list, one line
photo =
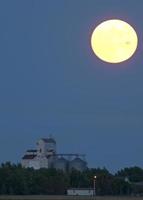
[(52, 83)]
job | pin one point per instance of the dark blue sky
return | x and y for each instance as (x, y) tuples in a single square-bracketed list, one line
[(52, 83)]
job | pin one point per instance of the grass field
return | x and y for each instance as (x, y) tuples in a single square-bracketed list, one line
[(46, 197)]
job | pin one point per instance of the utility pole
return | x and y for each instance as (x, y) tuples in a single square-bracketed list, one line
[(94, 187)]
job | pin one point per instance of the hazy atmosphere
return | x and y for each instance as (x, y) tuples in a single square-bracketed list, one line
[(52, 83)]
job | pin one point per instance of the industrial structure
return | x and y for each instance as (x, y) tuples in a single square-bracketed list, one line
[(46, 156)]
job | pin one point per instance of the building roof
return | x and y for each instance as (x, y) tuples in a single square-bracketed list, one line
[(80, 189), (78, 160), (28, 157), (49, 140)]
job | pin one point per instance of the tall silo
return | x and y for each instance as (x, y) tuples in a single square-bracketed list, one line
[(60, 164), (78, 164)]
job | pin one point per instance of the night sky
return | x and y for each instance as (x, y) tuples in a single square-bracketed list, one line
[(52, 83)]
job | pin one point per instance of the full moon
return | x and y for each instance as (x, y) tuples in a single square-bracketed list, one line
[(114, 41)]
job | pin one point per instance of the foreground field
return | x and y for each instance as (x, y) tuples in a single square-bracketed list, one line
[(47, 197)]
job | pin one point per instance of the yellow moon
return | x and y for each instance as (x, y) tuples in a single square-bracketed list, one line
[(114, 41)]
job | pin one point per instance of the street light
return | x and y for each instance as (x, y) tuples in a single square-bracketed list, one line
[(94, 187)]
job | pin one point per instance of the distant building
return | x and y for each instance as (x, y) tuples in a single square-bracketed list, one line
[(45, 156), (80, 192)]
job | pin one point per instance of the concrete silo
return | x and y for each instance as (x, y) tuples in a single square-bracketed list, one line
[(60, 164), (78, 164)]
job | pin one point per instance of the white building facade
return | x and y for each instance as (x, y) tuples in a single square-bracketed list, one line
[(80, 192), (39, 158)]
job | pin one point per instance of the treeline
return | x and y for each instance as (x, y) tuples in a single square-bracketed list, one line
[(15, 180)]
